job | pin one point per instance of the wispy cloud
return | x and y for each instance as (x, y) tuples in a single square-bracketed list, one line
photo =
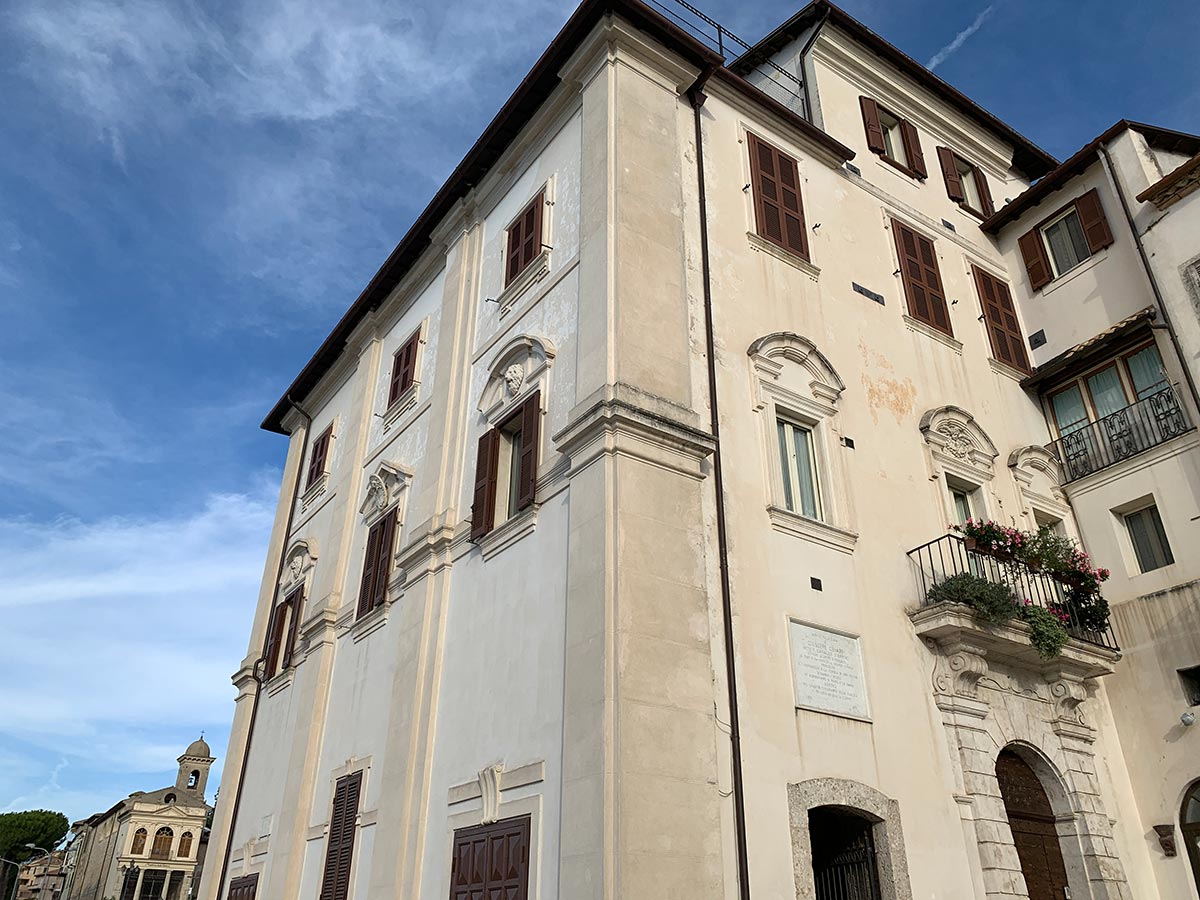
[(961, 38), (120, 636)]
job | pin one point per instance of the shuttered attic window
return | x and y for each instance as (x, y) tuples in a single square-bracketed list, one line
[(318, 456), (892, 138), (404, 368), (966, 184), (524, 239)]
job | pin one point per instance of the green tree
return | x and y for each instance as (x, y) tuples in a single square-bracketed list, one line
[(40, 827)]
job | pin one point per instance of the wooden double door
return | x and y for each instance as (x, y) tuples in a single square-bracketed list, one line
[(1031, 820)]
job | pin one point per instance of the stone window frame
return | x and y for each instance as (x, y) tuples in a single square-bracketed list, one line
[(516, 371), (891, 862), (794, 382), (501, 793)]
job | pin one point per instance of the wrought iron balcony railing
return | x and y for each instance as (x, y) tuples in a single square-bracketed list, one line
[(948, 556), (1124, 434)]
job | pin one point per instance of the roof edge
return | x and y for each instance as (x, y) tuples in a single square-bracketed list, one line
[(537, 85), (1028, 157)]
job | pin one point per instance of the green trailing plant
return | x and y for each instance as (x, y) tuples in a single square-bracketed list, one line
[(1046, 630), (991, 603), (1046, 550)]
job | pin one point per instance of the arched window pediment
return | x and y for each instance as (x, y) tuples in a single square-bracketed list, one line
[(385, 489), (299, 559), (958, 444), (1037, 472), (516, 370), (813, 376)]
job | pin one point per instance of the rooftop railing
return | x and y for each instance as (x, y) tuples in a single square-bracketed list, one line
[(1124, 434), (948, 555)]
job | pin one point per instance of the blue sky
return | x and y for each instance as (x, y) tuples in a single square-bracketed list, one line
[(191, 194)]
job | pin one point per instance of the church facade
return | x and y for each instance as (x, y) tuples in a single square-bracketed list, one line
[(619, 551), (149, 846)]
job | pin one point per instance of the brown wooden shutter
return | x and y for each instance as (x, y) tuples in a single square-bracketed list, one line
[(274, 637), (954, 186), (483, 509), (922, 280), (779, 211), (912, 149), (491, 862), (339, 852), (524, 238), (404, 368), (870, 114), (370, 561), (317, 456), (1095, 225), (295, 602), (1004, 329), (243, 888), (531, 416), (381, 569), (1037, 263), (985, 193)]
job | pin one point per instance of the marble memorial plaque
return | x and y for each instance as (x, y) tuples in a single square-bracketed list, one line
[(827, 671)]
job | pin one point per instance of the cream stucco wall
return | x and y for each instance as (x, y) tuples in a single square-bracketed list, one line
[(579, 647)]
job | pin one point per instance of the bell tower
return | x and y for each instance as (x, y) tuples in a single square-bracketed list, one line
[(194, 764)]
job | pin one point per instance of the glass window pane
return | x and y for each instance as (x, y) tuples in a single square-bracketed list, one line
[(806, 471), (962, 506), (514, 473), (970, 189), (1191, 809), (1108, 395), (1146, 371), (1069, 411), (1149, 539), (1067, 243), (785, 463)]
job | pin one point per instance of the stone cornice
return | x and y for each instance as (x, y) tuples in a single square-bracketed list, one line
[(619, 420)]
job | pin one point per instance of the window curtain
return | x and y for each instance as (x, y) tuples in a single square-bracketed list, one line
[(1146, 370)]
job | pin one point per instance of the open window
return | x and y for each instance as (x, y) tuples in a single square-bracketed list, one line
[(966, 183), (1065, 239), (892, 138), (506, 467), (281, 635)]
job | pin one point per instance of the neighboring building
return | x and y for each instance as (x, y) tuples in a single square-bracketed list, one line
[(42, 879), (534, 626), (1121, 411), (150, 846)]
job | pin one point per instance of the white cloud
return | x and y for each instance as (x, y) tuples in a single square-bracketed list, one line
[(120, 636), (961, 38)]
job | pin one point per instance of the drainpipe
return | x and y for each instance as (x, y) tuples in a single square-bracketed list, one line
[(1158, 298), (808, 112), (256, 670), (697, 97)]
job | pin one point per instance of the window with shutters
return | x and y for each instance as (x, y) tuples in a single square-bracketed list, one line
[(506, 467), (244, 888), (491, 862), (1149, 539), (281, 633), (318, 457), (185, 845), (339, 850), (138, 847), (1000, 317), (404, 369), (778, 207), (377, 563), (892, 138), (1065, 240), (525, 241), (966, 183), (921, 278)]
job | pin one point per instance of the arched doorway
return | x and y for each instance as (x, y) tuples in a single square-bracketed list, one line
[(1189, 824), (843, 854), (1031, 820)]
